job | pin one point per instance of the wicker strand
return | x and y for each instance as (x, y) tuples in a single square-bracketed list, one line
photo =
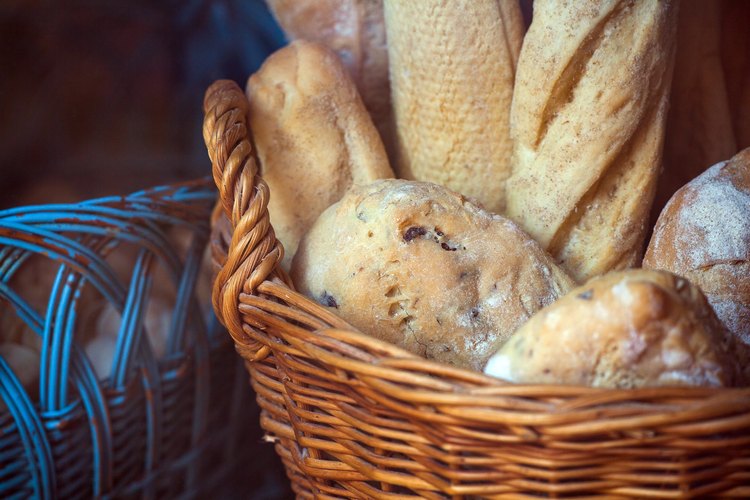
[(254, 251)]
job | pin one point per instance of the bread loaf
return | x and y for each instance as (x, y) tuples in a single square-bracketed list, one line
[(355, 30), (626, 329), (703, 234), (312, 134), (452, 68), (417, 265), (587, 122), (699, 129)]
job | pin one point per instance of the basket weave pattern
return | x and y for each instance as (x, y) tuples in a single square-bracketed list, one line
[(155, 427), (355, 417)]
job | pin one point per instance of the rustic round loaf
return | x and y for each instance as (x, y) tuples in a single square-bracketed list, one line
[(419, 266), (703, 234), (626, 329)]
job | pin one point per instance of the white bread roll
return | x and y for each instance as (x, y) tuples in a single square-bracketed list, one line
[(355, 30), (634, 328)]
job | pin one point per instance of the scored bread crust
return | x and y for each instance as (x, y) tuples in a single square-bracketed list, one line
[(587, 121), (703, 234), (355, 30), (634, 328), (417, 265), (312, 134), (452, 69)]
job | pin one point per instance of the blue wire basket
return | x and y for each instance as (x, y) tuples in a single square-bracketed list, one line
[(161, 420)]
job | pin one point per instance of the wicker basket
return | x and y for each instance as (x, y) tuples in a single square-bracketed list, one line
[(355, 417), (154, 427)]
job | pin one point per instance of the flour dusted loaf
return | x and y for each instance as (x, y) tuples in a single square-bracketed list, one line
[(587, 121), (313, 136), (452, 69), (419, 266), (355, 30), (703, 234), (626, 329)]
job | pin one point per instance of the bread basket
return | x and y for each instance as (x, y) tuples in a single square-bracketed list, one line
[(156, 427), (355, 417)]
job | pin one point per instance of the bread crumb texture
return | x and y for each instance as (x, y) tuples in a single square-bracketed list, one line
[(627, 329), (419, 266)]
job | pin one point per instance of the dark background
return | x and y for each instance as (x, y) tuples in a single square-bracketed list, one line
[(104, 97)]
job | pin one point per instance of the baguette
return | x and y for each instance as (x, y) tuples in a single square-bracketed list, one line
[(452, 68), (312, 134), (355, 30), (587, 122)]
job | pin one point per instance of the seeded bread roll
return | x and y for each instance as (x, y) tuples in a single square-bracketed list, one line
[(417, 265), (703, 234), (634, 328), (699, 124), (587, 121), (452, 69), (355, 30), (312, 134)]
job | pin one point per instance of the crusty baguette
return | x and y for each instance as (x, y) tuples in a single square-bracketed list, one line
[(452, 68), (704, 234), (699, 129), (355, 30), (313, 136), (634, 328), (587, 122)]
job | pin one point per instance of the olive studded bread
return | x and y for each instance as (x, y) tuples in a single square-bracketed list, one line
[(417, 265)]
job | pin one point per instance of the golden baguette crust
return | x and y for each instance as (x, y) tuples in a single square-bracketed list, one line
[(417, 265), (699, 129), (452, 69), (633, 328), (355, 30), (313, 136), (587, 122), (703, 234)]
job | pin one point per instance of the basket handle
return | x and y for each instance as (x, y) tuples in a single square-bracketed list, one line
[(254, 251)]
